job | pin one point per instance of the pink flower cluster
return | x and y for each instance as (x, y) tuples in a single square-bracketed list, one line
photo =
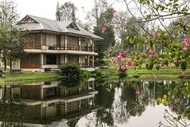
[(151, 53), (104, 29), (113, 11), (121, 54), (185, 43), (123, 66), (137, 92), (175, 101), (110, 49), (182, 73)]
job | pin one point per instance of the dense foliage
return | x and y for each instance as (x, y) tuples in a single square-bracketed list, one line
[(11, 35)]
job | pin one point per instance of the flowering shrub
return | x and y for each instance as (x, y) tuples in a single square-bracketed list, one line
[(175, 50), (121, 62)]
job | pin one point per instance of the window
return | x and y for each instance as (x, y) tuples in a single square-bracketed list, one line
[(73, 40), (44, 39), (50, 59), (34, 38)]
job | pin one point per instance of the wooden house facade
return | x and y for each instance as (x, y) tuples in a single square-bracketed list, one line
[(52, 43)]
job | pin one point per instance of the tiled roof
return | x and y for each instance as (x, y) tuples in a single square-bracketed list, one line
[(56, 26)]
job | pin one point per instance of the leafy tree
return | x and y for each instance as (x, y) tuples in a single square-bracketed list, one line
[(11, 34), (175, 41), (101, 16), (65, 12), (133, 29), (109, 36)]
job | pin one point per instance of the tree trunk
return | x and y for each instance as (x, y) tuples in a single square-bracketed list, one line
[(5, 63), (4, 95), (11, 72)]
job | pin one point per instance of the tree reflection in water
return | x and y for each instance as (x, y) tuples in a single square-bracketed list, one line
[(120, 102), (12, 110)]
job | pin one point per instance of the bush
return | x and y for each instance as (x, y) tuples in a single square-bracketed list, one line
[(70, 71)]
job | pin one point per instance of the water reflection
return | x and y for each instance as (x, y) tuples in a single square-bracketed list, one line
[(126, 108), (87, 104), (48, 102)]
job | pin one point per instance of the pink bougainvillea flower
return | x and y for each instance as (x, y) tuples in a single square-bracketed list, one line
[(184, 48), (137, 92), (104, 29), (110, 50), (152, 52), (149, 56), (166, 111), (129, 63), (118, 56), (158, 34), (175, 101), (126, 66), (113, 11), (145, 41), (123, 67), (183, 73), (185, 42), (123, 53)]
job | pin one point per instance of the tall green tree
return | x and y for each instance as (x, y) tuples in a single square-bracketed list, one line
[(101, 17), (66, 12), (11, 35)]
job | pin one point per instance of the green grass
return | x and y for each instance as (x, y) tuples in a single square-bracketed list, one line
[(27, 77), (162, 74), (111, 73)]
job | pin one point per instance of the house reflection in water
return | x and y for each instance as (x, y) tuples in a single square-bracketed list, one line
[(48, 102)]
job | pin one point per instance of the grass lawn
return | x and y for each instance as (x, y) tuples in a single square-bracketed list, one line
[(111, 73), (170, 73), (27, 77)]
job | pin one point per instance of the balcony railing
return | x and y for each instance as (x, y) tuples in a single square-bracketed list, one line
[(59, 47), (86, 65), (32, 46)]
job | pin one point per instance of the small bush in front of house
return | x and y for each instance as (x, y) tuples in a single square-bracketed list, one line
[(97, 74), (84, 75), (70, 71)]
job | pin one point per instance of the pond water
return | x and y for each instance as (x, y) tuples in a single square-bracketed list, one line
[(89, 104)]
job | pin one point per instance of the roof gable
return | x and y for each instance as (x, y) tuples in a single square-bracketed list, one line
[(28, 19), (37, 23), (73, 25)]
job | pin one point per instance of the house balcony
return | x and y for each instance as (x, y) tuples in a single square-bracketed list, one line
[(58, 47), (86, 65), (32, 46)]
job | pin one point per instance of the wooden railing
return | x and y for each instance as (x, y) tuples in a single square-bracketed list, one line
[(86, 65), (32, 46), (85, 48), (59, 47), (65, 47)]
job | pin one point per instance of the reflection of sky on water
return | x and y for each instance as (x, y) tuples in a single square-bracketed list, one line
[(149, 118)]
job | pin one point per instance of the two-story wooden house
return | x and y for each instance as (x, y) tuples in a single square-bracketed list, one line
[(53, 43)]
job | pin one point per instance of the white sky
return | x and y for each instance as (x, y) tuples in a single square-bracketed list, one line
[(47, 8)]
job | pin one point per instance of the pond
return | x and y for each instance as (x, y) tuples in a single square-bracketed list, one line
[(89, 104)]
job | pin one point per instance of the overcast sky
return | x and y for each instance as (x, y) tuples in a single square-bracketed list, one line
[(47, 8)]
